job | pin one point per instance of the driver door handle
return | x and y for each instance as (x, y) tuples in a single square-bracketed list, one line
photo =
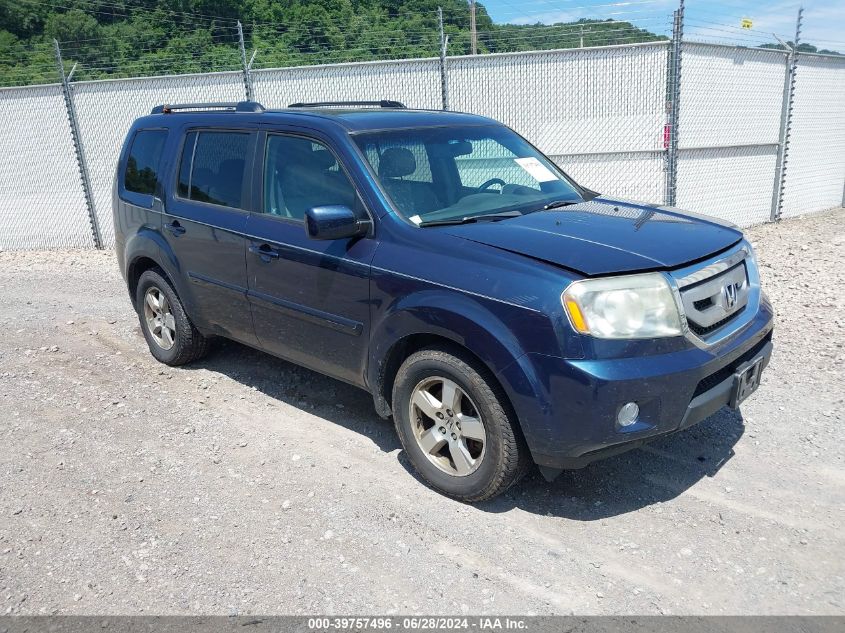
[(264, 251), (175, 228)]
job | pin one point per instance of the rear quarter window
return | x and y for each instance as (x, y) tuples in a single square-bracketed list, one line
[(142, 164)]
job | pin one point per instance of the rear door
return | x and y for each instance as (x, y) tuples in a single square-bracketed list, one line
[(204, 223), (309, 298)]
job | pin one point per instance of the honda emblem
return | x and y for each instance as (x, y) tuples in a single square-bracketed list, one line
[(729, 292)]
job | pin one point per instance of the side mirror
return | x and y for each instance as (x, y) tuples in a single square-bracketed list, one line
[(334, 222)]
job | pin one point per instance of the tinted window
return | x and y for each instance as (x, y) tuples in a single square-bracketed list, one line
[(212, 167), (300, 174), (144, 157)]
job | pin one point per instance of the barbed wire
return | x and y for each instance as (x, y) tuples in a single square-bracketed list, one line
[(390, 38), (387, 47), (111, 54)]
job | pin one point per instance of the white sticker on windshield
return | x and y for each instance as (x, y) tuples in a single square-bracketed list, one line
[(537, 170), (415, 219)]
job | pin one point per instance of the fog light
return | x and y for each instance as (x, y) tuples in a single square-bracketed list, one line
[(628, 414)]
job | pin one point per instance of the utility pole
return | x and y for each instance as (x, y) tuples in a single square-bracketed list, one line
[(472, 27), (581, 27), (77, 147)]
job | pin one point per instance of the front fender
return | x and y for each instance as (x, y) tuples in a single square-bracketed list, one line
[(457, 318), (470, 323)]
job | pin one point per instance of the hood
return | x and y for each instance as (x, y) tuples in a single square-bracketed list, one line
[(606, 236)]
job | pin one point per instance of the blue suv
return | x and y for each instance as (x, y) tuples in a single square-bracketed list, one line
[(500, 312)]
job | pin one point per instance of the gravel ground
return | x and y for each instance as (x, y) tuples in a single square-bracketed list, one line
[(244, 484)]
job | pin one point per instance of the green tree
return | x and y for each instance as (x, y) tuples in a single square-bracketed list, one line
[(124, 38)]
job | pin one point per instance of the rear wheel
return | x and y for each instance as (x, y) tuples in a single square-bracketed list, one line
[(171, 336), (456, 427)]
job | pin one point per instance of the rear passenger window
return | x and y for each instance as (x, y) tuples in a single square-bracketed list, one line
[(144, 157), (212, 167)]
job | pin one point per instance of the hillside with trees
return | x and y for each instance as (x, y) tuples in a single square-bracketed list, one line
[(120, 38)]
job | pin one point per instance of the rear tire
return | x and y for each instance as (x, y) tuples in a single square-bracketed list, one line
[(171, 337), (456, 425)]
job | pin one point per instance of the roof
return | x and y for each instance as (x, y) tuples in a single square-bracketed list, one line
[(353, 119), (361, 119)]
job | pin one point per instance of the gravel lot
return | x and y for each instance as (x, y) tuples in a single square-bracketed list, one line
[(245, 484)]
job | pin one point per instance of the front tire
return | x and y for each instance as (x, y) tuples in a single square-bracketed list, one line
[(456, 427), (171, 337)]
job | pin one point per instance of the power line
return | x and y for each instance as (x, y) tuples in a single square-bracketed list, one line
[(128, 9)]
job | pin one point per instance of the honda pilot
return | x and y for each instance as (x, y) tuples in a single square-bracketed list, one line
[(501, 313)]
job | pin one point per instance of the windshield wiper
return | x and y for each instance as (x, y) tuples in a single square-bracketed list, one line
[(469, 219), (557, 204)]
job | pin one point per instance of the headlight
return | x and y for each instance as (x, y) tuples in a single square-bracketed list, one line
[(634, 306)]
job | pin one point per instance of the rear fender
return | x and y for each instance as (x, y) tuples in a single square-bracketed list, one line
[(149, 243)]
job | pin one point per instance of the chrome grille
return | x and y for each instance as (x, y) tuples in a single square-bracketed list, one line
[(714, 302)]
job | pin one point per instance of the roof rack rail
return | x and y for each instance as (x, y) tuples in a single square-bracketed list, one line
[(233, 106), (384, 103)]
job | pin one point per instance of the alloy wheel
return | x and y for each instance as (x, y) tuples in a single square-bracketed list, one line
[(160, 320), (447, 426)]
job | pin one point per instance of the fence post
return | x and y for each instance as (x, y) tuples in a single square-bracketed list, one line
[(786, 121), (444, 42), (77, 147), (673, 94), (245, 67)]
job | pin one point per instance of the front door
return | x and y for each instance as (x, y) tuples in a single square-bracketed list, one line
[(309, 298), (204, 223)]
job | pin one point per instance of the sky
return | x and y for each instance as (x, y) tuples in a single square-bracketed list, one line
[(710, 20)]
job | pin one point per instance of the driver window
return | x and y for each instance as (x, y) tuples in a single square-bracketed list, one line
[(300, 174), (405, 173), (386, 152), (489, 157)]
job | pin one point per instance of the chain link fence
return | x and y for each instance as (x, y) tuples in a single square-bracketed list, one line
[(415, 82), (598, 113), (730, 118), (816, 161), (106, 109), (41, 201), (601, 113)]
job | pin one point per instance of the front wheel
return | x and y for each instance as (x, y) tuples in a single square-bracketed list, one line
[(456, 427)]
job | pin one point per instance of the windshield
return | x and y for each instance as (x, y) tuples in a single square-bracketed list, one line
[(438, 174)]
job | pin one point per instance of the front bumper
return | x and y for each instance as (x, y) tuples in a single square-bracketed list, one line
[(570, 420)]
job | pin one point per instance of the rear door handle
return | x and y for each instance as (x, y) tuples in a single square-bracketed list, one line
[(264, 251), (176, 228)]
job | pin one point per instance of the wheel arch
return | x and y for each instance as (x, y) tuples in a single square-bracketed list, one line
[(396, 355), (135, 269), (147, 250), (468, 328)]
